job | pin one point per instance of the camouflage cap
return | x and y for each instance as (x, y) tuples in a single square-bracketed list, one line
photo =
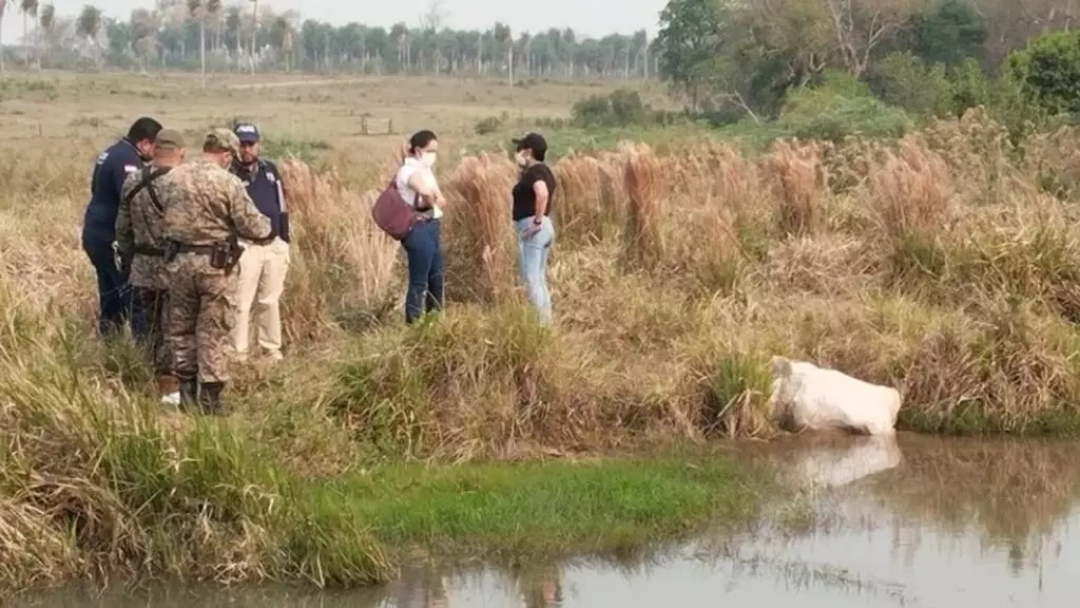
[(219, 140), (169, 139)]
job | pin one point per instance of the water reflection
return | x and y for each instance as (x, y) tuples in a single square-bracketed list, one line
[(419, 587), (833, 461), (541, 586), (1008, 490), (906, 520)]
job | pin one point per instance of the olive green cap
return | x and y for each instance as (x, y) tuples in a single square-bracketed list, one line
[(169, 138), (220, 140)]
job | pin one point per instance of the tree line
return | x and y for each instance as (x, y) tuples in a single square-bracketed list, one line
[(208, 34), (742, 58)]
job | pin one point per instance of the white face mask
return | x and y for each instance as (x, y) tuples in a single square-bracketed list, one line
[(428, 159)]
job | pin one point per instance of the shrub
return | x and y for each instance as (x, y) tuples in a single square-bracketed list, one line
[(620, 108), (488, 125), (905, 81), (1049, 71), (840, 106)]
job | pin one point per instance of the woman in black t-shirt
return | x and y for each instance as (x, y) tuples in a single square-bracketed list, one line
[(532, 220)]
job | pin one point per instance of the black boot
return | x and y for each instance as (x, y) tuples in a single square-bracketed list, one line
[(189, 393), (210, 399)]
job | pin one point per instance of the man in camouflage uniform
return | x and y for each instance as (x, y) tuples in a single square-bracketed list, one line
[(207, 211), (139, 238)]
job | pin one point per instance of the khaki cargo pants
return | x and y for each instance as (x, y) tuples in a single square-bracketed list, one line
[(261, 282)]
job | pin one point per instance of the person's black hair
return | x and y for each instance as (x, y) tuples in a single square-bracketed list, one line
[(535, 143), (420, 140), (143, 128)]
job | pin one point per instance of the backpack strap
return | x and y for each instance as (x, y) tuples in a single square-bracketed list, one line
[(393, 186), (147, 176)]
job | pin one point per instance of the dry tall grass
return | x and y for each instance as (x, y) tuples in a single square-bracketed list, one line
[(591, 198), (657, 255), (913, 192), (480, 242), (710, 282), (674, 280), (343, 263), (794, 169), (646, 187)]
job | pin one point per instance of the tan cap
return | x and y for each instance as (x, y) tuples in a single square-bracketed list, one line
[(222, 139), (169, 138)]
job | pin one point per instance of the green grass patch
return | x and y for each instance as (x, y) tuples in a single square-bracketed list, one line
[(563, 140), (540, 509)]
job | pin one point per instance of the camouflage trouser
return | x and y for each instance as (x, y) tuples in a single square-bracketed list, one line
[(149, 320), (201, 315)]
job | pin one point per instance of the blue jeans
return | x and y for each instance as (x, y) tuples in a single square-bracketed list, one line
[(532, 264), (114, 295), (425, 270)]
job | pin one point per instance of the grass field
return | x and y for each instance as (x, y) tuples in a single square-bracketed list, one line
[(944, 264)]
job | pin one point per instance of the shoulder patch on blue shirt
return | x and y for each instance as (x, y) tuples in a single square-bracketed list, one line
[(101, 157)]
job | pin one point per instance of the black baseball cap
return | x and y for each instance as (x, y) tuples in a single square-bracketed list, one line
[(534, 142)]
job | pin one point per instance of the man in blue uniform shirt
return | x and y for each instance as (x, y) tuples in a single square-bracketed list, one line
[(119, 160), (264, 264)]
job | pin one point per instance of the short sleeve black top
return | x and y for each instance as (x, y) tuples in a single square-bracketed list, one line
[(525, 196)]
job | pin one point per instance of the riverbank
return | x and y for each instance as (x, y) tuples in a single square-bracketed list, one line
[(900, 518), (96, 483)]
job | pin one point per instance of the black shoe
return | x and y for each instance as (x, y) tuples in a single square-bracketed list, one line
[(210, 399), (189, 393)]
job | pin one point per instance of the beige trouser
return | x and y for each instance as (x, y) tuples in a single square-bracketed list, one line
[(260, 285)]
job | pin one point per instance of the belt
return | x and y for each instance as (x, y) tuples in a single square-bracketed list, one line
[(147, 250), (199, 249)]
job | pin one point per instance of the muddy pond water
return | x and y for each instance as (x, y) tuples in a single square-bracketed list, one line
[(905, 521)]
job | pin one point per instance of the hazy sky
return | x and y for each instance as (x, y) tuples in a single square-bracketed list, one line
[(590, 17)]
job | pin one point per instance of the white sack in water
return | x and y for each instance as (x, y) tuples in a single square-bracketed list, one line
[(807, 397)]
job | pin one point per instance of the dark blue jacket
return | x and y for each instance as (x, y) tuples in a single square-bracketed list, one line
[(263, 186), (112, 168)]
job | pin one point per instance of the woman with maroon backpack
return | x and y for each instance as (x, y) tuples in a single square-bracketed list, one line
[(410, 210)]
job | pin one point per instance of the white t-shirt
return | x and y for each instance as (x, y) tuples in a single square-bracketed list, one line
[(405, 173)]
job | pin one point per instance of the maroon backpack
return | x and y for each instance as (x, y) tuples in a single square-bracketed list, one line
[(392, 214)]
